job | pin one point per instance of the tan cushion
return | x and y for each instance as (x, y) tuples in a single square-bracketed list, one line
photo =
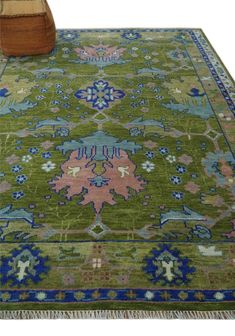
[(22, 7)]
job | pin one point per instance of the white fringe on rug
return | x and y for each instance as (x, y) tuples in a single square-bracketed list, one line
[(115, 314)]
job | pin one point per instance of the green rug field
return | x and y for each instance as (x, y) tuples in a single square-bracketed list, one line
[(117, 187)]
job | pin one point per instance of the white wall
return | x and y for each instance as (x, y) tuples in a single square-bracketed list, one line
[(215, 17)]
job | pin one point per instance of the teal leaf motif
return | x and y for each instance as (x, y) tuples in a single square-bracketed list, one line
[(99, 146), (9, 107)]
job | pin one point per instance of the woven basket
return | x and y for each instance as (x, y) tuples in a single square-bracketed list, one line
[(26, 27)]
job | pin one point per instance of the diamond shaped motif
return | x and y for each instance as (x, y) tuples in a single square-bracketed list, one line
[(212, 134), (97, 229)]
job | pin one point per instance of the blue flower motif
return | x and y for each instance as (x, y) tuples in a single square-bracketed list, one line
[(203, 146), (47, 197), (43, 90), (16, 168), (181, 169), (33, 150), (178, 195), (131, 35), (133, 97), (157, 89), (60, 92), (134, 105), (175, 179), (100, 94), (99, 181), (55, 102), (177, 54), (21, 179), (66, 50), (142, 102), (17, 195), (63, 132), (58, 86), (46, 155), (150, 155), (163, 150), (68, 35), (40, 97)]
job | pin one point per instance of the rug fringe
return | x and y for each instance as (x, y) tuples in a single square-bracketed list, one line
[(115, 314)]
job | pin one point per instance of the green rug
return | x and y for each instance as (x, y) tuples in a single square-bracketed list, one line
[(116, 178)]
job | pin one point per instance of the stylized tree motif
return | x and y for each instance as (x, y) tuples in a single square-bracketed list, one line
[(98, 146), (167, 266), (24, 264)]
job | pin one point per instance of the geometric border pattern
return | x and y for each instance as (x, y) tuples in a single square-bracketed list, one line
[(110, 294), (215, 75)]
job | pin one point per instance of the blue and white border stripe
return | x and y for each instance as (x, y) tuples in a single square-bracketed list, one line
[(223, 81), (110, 294)]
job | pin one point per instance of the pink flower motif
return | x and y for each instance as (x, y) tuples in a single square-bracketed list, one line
[(231, 234), (186, 159), (144, 109), (12, 159), (55, 109), (150, 144), (79, 176), (192, 187), (123, 279), (226, 170), (47, 144), (68, 279), (4, 186), (214, 200), (151, 85), (130, 75)]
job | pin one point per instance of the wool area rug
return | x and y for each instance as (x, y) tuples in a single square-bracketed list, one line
[(116, 178)]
